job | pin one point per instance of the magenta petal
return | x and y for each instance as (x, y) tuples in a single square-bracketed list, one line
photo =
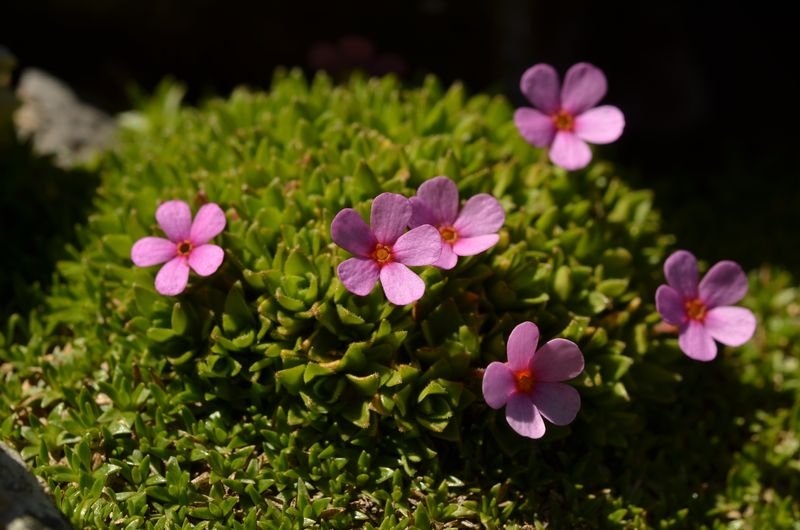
[(349, 231), (569, 151), (175, 219), (535, 127), (440, 196), (448, 259), (470, 246), (401, 285), (419, 246), (389, 217), (558, 360), (558, 403), (521, 346), (173, 277), (498, 384), (152, 251), (540, 85), (730, 325), (670, 305), (481, 215), (208, 224), (600, 125), (584, 86), (523, 417), (421, 214), (206, 259), (696, 342), (724, 284), (358, 275), (681, 272)]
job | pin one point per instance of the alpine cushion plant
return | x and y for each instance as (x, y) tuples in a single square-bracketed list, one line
[(383, 251), (464, 233), (187, 245), (565, 118), (702, 309), (530, 384)]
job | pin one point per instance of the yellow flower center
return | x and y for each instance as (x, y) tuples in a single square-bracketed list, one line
[(449, 234), (564, 121), (382, 254), (184, 248), (695, 309), (525, 381)]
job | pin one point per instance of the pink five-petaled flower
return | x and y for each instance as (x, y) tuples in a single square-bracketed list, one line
[(702, 309), (384, 251), (529, 384), (464, 233), (187, 245), (564, 118)]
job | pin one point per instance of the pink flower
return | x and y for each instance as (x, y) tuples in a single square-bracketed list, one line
[(464, 233), (186, 246), (702, 310), (565, 119), (529, 383), (384, 251)]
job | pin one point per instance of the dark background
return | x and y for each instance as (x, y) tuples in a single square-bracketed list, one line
[(708, 88)]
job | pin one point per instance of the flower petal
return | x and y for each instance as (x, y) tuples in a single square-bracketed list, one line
[(558, 403), (389, 217), (523, 417), (208, 224), (521, 345), (173, 277), (448, 259), (730, 325), (681, 272), (358, 275), (724, 284), (481, 215), (419, 246), (152, 251), (440, 196), (670, 305), (535, 127), (540, 85), (206, 259), (696, 342), (584, 86), (569, 151), (558, 360), (401, 285), (175, 219), (349, 231), (469, 246), (498, 384), (600, 125)]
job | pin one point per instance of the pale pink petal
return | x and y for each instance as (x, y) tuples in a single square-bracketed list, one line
[(730, 325), (535, 127), (349, 231), (521, 346), (558, 403), (569, 151), (173, 276), (469, 246), (670, 305), (558, 360), (498, 384), (724, 284), (152, 251), (206, 259), (540, 85), (681, 272), (523, 417), (401, 285), (208, 224), (175, 219), (448, 259), (419, 246), (358, 275), (389, 217), (481, 215), (439, 196), (600, 125), (696, 342), (584, 86)]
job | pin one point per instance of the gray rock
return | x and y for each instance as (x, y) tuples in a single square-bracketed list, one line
[(24, 505)]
